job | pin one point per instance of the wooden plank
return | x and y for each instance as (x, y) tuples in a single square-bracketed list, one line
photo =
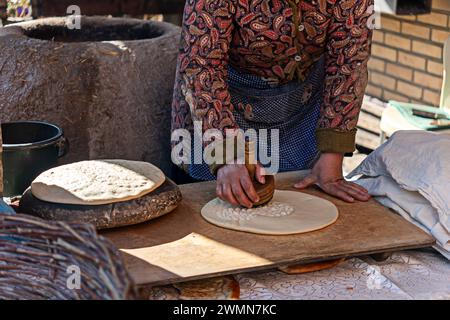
[(368, 135), (367, 139), (182, 246), (369, 122), (373, 106)]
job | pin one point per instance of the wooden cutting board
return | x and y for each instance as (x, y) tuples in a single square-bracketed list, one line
[(182, 246)]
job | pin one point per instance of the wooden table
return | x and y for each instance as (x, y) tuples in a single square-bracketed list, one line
[(183, 246)]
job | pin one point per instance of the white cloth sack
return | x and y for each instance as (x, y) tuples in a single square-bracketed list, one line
[(412, 206), (410, 174)]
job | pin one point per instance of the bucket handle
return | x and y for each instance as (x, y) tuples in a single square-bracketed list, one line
[(63, 146)]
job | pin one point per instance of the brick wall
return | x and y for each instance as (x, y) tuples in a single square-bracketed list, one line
[(406, 62)]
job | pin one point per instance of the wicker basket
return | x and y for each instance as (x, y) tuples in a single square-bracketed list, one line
[(41, 260)]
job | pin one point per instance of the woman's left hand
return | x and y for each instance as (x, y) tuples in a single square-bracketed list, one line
[(327, 175)]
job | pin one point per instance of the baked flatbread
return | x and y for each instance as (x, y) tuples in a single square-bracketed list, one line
[(289, 212), (97, 182)]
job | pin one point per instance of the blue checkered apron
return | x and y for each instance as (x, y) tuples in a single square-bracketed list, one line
[(292, 108)]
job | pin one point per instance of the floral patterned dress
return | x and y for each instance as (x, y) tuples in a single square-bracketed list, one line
[(281, 42)]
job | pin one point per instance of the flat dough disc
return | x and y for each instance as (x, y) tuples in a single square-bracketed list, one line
[(97, 182), (301, 213)]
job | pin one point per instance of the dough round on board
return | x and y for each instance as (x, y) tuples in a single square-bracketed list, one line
[(97, 182), (289, 212)]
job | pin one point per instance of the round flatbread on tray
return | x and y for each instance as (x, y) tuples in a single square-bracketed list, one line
[(289, 212), (97, 182)]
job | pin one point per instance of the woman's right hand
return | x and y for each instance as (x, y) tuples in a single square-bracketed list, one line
[(235, 186)]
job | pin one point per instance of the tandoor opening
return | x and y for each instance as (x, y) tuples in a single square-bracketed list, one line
[(91, 32)]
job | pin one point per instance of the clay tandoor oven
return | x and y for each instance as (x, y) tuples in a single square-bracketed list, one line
[(108, 85)]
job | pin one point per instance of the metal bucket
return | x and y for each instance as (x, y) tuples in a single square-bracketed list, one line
[(29, 148)]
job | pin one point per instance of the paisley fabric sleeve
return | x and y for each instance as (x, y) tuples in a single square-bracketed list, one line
[(347, 54), (206, 37), (202, 67)]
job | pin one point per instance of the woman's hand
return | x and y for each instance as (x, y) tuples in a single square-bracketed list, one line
[(327, 175), (235, 186)]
